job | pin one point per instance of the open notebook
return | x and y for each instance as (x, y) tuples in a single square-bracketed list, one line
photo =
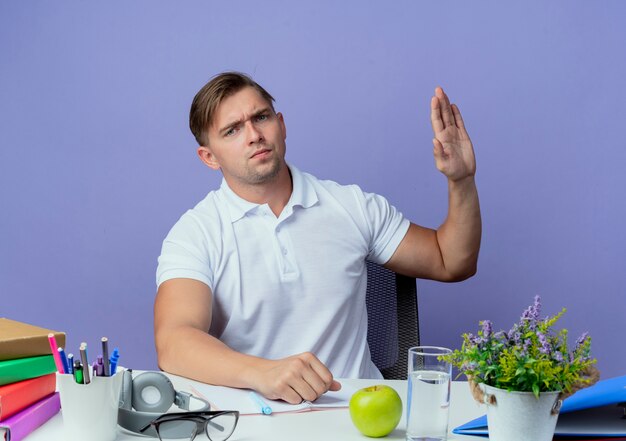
[(226, 398)]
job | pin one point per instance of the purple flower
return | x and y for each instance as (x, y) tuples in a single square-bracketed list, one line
[(469, 366), (545, 345), (558, 356), (501, 336), (581, 340), (579, 346), (487, 328), (531, 314), (527, 344)]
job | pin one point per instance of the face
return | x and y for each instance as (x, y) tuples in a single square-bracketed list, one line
[(246, 140)]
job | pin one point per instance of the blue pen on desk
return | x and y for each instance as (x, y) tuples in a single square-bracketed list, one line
[(113, 360), (265, 409), (70, 363), (66, 369)]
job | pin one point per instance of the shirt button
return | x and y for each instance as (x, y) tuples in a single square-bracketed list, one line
[(285, 251)]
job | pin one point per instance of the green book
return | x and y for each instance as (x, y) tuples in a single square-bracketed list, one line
[(20, 369)]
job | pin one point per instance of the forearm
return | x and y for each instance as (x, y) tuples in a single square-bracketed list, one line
[(193, 353), (459, 236)]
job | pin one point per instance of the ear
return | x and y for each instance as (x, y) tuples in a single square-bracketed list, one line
[(283, 127), (207, 156)]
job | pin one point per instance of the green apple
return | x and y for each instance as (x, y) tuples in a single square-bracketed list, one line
[(376, 410)]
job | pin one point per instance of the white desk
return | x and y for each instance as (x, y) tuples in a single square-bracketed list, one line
[(307, 426)]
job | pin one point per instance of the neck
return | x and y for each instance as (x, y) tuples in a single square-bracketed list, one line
[(275, 193)]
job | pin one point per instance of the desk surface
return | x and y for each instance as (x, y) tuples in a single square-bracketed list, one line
[(305, 426)]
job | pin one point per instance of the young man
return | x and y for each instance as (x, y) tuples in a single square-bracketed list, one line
[(262, 284)]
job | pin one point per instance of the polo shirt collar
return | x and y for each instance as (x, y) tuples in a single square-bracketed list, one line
[(302, 195)]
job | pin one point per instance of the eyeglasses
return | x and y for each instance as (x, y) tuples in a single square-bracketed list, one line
[(217, 425)]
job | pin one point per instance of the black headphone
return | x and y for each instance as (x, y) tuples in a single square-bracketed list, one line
[(146, 411)]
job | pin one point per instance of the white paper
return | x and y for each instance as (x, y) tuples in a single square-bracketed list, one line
[(226, 398)]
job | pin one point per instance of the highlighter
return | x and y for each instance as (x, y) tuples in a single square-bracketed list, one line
[(78, 372)]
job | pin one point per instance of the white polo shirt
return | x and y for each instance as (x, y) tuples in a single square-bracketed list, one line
[(296, 283)]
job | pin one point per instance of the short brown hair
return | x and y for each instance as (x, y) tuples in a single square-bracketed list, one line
[(208, 98)]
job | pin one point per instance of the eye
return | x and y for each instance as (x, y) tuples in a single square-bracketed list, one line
[(262, 117), (230, 132)]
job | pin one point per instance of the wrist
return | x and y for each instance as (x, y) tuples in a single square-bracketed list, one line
[(465, 182), (252, 372)]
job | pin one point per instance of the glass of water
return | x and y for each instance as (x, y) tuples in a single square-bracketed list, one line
[(428, 399)]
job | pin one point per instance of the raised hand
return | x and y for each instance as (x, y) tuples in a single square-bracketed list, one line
[(453, 151)]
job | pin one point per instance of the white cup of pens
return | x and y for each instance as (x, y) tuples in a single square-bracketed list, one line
[(89, 392)]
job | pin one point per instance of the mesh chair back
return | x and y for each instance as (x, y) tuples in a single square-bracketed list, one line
[(393, 319)]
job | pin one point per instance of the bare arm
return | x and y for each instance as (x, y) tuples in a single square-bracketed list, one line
[(182, 318), (449, 253)]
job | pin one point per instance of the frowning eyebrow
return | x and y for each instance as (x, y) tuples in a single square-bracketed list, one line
[(236, 123)]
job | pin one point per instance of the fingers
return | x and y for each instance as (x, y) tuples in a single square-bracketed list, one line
[(435, 115), (457, 117), (300, 377), (317, 378), (335, 386), (323, 378), (442, 114), (302, 391), (446, 110)]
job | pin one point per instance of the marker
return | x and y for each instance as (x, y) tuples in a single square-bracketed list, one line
[(113, 360), (265, 409), (66, 369), (98, 367), (105, 356), (94, 369), (78, 372), (83, 357), (55, 353), (70, 363)]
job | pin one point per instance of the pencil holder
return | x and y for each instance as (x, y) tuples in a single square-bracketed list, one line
[(90, 410)]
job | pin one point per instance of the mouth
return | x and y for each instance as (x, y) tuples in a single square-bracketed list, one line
[(260, 154)]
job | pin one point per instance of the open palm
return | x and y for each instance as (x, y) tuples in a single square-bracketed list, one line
[(453, 151)]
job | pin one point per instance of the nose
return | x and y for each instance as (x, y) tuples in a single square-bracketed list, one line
[(253, 134)]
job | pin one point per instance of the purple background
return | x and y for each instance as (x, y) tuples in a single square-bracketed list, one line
[(97, 162)]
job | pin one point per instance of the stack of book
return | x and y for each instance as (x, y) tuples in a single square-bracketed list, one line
[(27, 378)]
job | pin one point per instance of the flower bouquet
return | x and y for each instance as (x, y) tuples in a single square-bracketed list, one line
[(521, 365)]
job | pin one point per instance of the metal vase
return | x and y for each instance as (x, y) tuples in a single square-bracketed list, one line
[(520, 416)]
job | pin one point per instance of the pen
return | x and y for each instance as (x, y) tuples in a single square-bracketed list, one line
[(98, 367), (94, 370), (70, 363), (78, 372), (66, 369), (265, 409), (113, 360), (105, 356), (83, 357), (55, 353)]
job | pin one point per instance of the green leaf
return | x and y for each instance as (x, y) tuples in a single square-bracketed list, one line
[(536, 390)]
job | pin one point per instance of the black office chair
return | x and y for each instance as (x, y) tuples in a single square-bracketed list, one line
[(393, 320)]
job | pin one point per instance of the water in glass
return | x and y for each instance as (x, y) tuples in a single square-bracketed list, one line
[(429, 398)]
